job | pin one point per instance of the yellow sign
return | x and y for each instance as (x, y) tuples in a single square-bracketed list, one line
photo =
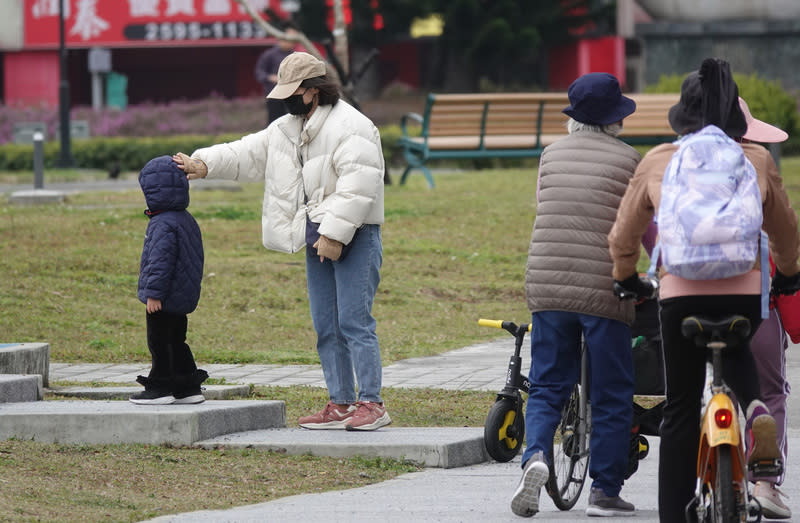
[(431, 26)]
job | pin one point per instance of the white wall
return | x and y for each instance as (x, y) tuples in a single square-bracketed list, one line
[(11, 26)]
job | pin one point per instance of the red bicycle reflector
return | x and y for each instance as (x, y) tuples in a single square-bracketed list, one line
[(723, 418)]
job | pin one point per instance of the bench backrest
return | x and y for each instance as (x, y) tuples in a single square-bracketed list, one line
[(494, 114), (489, 114), (650, 117)]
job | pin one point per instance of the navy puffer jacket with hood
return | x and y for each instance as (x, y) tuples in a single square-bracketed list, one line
[(172, 258)]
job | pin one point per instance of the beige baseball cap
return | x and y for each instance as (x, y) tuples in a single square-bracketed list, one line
[(293, 69)]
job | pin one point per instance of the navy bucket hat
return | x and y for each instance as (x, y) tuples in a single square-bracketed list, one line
[(596, 99)]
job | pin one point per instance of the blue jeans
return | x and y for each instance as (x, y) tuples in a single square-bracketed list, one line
[(556, 367), (341, 294)]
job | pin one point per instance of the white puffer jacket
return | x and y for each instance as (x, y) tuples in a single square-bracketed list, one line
[(331, 170)]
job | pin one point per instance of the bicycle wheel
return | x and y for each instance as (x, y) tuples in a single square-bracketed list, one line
[(504, 430), (569, 456), (724, 497)]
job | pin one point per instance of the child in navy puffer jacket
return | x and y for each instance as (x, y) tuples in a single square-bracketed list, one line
[(169, 284)]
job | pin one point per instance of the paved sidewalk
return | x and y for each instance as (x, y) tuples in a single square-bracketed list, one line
[(473, 494), (478, 367)]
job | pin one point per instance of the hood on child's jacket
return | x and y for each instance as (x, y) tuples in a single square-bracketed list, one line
[(164, 185)]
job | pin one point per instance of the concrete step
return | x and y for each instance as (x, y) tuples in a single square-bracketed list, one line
[(445, 447), (26, 358), (113, 422), (19, 387), (211, 392)]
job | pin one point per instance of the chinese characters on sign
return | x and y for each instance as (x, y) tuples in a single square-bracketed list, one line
[(127, 22)]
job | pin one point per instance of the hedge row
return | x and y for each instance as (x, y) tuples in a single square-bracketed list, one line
[(131, 153)]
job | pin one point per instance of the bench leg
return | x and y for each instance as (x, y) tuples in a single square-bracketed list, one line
[(416, 160), (425, 171), (428, 176), (405, 174)]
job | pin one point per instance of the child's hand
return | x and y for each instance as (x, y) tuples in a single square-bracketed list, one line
[(153, 305)]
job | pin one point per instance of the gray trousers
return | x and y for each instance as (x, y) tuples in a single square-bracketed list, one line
[(768, 347)]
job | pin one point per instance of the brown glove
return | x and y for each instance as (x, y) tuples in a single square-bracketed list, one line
[(327, 248), (193, 167)]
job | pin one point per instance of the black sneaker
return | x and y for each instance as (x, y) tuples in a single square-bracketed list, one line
[(602, 505), (187, 390), (152, 397), (189, 397)]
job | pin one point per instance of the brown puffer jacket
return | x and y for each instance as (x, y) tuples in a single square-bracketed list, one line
[(582, 178)]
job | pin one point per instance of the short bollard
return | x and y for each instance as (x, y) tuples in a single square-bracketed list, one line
[(38, 160)]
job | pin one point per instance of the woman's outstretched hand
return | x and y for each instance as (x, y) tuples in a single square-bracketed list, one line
[(193, 168)]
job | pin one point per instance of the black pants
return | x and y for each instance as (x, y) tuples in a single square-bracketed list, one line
[(684, 365), (166, 339)]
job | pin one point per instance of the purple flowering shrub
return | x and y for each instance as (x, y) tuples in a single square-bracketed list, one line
[(210, 116), (126, 139)]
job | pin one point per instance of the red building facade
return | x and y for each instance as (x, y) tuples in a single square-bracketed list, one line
[(167, 48)]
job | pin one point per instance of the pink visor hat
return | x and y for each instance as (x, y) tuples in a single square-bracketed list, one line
[(758, 131)]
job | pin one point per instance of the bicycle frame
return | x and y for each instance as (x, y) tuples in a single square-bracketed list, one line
[(720, 432), (713, 436)]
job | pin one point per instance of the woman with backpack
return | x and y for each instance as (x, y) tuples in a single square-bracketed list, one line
[(708, 106)]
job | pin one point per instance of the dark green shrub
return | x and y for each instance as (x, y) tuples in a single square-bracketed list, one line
[(767, 100), (131, 153)]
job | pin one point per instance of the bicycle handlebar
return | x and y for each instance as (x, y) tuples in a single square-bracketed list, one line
[(625, 294), (786, 291), (497, 324)]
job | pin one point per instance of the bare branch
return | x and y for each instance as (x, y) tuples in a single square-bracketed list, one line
[(277, 33), (301, 38)]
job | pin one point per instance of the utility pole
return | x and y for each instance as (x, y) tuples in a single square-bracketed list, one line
[(65, 158)]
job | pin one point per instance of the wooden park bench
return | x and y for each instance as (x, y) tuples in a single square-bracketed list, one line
[(511, 125)]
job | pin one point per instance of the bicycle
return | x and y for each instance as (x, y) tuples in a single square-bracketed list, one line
[(721, 493), (504, 429)]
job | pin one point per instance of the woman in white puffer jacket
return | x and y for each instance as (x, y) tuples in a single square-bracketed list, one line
[(322, 167)]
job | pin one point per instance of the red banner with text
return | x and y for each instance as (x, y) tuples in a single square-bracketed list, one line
[(134, 23)]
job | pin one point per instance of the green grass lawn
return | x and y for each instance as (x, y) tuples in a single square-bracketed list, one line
[(451, 256)]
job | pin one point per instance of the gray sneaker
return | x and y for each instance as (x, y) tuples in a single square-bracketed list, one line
[(525, 501), (602, 505)]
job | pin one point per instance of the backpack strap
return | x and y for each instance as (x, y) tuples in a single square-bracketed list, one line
[(651, 272), (765, 280)]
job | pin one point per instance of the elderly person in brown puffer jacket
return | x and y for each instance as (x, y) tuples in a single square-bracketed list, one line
[(582, 178)]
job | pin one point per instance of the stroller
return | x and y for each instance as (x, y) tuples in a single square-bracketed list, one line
[(648, 365)]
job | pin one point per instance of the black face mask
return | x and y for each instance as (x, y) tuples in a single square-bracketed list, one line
[(295, 105)]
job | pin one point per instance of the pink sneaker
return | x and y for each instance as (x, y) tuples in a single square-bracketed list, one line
[(331, 417), (368, 416), (772, 506)]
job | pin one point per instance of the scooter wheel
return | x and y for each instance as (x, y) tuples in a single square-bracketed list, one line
[(644, 447), (504, 430)]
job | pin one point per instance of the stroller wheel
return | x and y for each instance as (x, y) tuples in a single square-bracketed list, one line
[(504, 430)]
